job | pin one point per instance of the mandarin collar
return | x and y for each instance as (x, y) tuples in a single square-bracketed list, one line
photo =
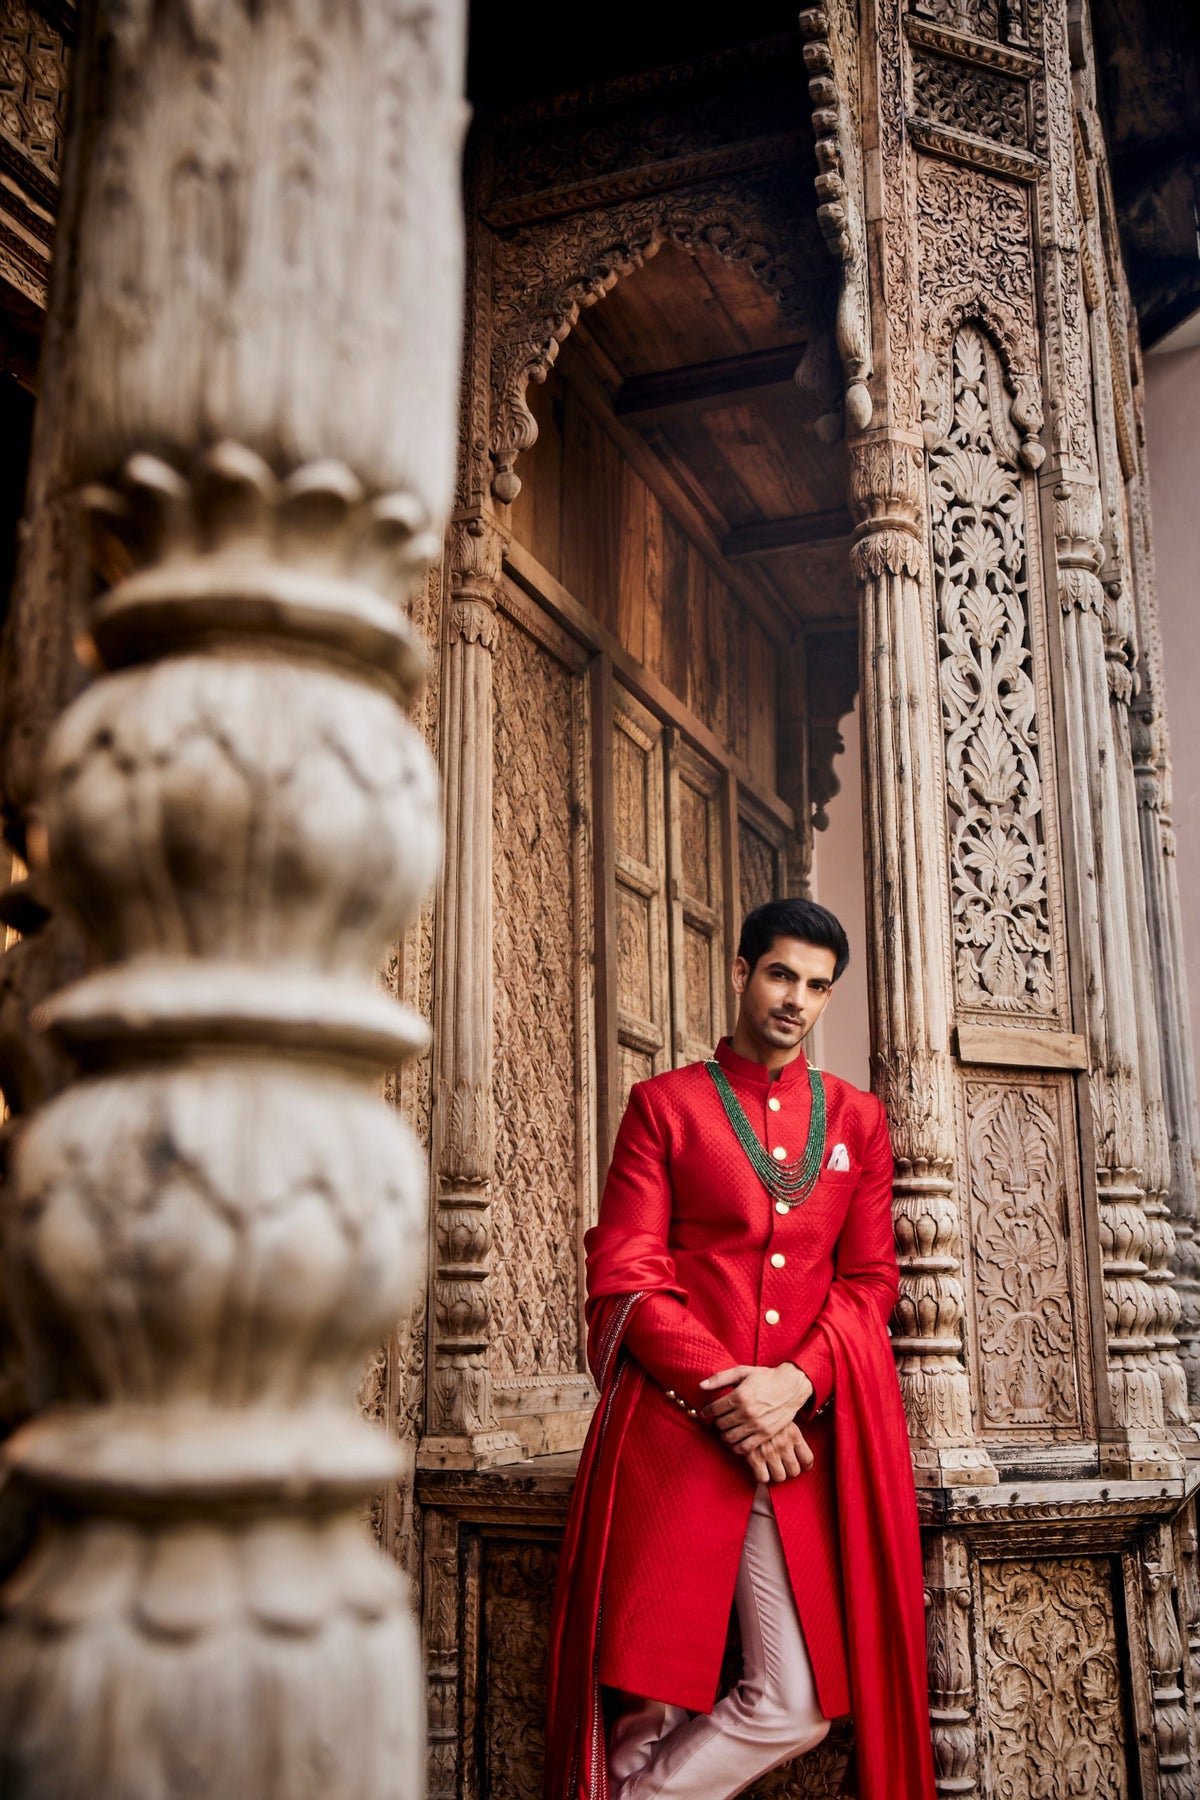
[(743, 1069)]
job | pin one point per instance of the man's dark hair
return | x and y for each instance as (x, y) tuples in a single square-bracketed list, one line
[(802, 919)]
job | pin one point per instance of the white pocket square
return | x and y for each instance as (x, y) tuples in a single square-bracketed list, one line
[(839, 1159)]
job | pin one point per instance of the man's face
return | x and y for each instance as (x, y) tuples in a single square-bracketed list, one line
[(784, 995)]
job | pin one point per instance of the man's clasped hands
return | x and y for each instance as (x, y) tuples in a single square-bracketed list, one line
[(757, 1417)]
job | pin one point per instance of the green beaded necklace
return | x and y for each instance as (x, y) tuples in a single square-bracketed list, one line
[(789, 1184)]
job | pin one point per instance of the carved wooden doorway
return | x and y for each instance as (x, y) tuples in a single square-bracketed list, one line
[(682, 519)]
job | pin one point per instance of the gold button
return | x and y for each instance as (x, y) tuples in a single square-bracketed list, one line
[(772, 1317), (781, 1206), (778, 1261), (779, 1153), (670, 1393), (774, 1104)]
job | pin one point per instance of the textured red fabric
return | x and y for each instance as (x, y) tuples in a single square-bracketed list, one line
[(680, 1280)]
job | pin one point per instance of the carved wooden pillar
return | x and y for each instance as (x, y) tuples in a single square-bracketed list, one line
[(462, 1429), (1108, 343), (1188, 1564), (952, 1704), (1135, 1387), (909, 955), (1160, 1234), (1152, 770), (254, 336), (1172, 1727), (1136, 1439)]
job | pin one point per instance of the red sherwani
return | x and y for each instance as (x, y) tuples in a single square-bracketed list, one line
[(692, 1269)]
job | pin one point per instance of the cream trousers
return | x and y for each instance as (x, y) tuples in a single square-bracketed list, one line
[(769, 1717)]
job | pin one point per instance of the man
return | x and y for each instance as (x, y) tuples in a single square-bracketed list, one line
[(749, 1448)]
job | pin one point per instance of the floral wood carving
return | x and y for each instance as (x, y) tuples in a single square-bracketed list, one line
[(517, 1593), (1003, 938), (985, 102), (1022, 1278), (831, 53), (758, 868), (977, 263), (979, 17), (1055, 1724), (638, 127), (535, 1207)]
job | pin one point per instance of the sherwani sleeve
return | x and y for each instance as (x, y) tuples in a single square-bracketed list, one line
[(674, 1347), (865, 1258)]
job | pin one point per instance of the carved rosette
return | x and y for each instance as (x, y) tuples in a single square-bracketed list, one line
[(211, 1228), (909, 956)]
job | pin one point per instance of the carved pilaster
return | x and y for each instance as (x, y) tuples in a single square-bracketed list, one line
[(461, 1427), (1187, 1560), (1172, 1732), (209, 1231), (1108, 343), (909, 957), (1136, 1440), (1161, 1243), (1152, 772), (1130, 1304), (952, 1678), (1151, 769)]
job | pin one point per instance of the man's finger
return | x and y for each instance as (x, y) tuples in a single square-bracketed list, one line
[(804, 1453), (736, 1431), (726, 1377)]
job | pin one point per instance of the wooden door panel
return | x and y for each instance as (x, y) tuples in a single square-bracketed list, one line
[(640, 897), (695, 807), (760, 860)]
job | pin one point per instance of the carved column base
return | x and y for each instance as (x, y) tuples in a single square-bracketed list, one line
[(927, 1333), (476, 1450), (966, 1467), (1130, 1456)]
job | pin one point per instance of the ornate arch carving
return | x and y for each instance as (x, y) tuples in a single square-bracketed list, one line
[(545, 275), (977, 267)]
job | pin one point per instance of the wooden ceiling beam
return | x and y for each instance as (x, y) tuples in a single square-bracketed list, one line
[(654, 399), (776, 537)]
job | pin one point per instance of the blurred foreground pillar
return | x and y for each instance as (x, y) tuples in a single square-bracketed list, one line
[(251, 369)]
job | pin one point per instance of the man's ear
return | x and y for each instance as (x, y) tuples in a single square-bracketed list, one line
[(739, 974)]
